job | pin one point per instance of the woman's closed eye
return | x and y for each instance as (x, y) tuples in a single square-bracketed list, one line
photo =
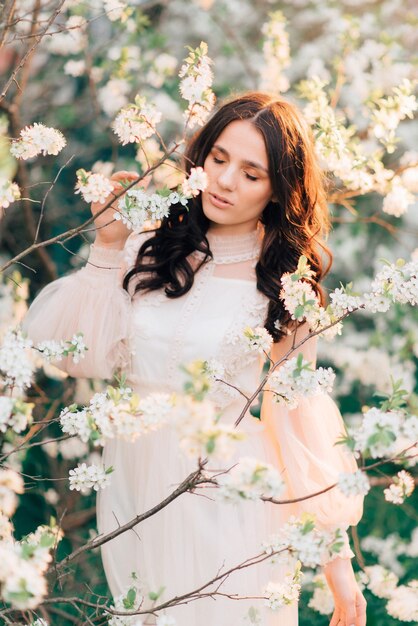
[(219, 161)]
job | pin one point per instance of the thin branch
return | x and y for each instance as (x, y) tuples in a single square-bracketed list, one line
[(294, 347), (73, 232), (26, 56), (46, 196), (8, 10), (189, 483)]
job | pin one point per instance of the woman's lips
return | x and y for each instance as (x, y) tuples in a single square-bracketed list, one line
[(218, 201)]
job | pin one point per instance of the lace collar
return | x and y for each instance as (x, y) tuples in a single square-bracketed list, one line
[(235, 248)]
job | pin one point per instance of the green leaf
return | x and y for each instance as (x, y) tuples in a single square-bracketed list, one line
[(210, 446), (299, 311), (47, 540), (154, 595), (129, 599)]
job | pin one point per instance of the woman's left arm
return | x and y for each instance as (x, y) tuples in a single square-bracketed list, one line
[(349, 602), (310, 461)]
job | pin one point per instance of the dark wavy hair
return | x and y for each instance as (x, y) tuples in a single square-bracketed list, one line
[(295, 222)]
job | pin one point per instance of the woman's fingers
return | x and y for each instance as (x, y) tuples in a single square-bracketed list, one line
[(335, 620), (361, 606), (125, 176), (351, 615)]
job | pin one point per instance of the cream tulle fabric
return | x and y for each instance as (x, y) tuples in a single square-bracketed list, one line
[(188, 542)]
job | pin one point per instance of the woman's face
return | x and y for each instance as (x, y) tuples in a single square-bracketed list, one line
[(239, 185)]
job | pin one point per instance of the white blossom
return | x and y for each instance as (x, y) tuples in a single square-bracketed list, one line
[(72, 40), (387, 550), (250, 479), (343, 302), (136, 122), (73, 448), (378, 432), (114, 95), (302, 302), (380, 580), (398, 198), (56, 350), (163, 65), (51, 496), (403, 604), (200, 433), (93, 187), (195, 86), (300, 539), (196, 182), (24, 587), (283, 593), (14, 414), (296, 379), (258, 340), (395, 282), (115, 9), (322, 599), (85, 477), (117, 413), (409, 161), (11, 483), (401, 488), (6, 528), (214, 369), (276, 52), (16, 366), (23, 565), (75, 422), (9, 192), (130, 600), (36, 546), (353, 483), (137, 207), (75, 67), (387, 112), (37, 139)]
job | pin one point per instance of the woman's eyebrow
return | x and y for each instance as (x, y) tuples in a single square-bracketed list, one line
[(254, 164)]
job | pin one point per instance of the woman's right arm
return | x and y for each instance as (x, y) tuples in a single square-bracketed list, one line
[(91, 301)]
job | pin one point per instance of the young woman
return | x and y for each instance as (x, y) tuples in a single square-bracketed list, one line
[(152, 302)]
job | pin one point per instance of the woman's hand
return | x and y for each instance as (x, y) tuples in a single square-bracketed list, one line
[(111, 233), (350, 604)]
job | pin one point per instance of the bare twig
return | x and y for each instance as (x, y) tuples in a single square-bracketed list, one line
[(7, 15), (27, 55), (73, 232), (188, 483)]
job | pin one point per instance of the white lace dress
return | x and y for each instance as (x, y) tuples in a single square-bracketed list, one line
[(194, 538)]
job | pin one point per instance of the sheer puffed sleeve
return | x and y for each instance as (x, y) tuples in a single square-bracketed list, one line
[(93, 302), (304, 440)]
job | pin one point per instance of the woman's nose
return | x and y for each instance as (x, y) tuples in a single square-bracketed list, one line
[(227, 178)]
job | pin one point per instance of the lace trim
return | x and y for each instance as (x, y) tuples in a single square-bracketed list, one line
[(193, 300), (252, 314), (233, 248)]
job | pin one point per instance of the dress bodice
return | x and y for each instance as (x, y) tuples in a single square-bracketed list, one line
[(207, 323)]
